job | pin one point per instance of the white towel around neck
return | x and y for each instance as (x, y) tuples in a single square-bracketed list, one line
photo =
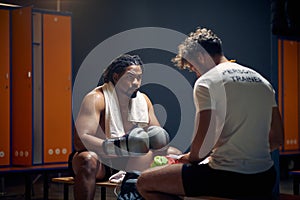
[(138, 111)]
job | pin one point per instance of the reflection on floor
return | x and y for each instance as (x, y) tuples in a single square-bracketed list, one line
[(14, 188)]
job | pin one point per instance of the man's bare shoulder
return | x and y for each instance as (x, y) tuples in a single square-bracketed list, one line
[(95, 96), (147, 98), (97, 91)]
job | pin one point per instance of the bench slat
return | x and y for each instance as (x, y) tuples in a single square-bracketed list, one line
[(70, 180)]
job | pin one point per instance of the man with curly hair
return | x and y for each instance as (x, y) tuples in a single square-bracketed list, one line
[(237, 125)]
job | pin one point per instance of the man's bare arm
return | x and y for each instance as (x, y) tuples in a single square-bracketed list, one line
[(87, 122), (202, 123), (152, 117), (276, 132)]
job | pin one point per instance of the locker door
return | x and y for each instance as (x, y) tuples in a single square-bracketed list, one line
[(4, 88), (22, 86), (57, 87), (289, 65)]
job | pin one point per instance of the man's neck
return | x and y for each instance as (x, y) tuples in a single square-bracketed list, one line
[(220, 59)]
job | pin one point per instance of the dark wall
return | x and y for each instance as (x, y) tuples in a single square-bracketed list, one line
[(244, 26)]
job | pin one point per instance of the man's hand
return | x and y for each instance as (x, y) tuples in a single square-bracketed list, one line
[(185, 158)]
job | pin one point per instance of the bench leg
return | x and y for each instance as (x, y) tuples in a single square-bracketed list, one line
[(66, 191), (28, 186), (2, 188), (46, 186), (103, 193), (296, 183)]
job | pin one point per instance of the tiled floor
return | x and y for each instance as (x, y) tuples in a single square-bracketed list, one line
[(14, 189)]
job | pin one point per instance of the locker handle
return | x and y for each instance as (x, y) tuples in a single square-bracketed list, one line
[(29, 74), (6, 76)]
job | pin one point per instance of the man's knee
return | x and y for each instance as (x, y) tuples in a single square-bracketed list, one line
[(158, 137), (140, 184), (85, 161)]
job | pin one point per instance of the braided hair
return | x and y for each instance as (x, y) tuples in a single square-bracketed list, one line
[(119, 65)]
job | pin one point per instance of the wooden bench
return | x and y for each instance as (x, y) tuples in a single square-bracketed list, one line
[(67, 181), (296, 181)]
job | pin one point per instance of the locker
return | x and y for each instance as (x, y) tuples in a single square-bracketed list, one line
[(288, 92), (4, 88), (41, 87), (21, 58), (57, 82)]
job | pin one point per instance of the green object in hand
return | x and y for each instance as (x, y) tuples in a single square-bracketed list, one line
[(159, 161)]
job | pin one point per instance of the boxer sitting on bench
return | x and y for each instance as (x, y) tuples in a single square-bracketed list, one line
[(116, 127)]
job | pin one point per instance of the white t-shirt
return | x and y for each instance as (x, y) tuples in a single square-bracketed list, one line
[(242, 100)]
